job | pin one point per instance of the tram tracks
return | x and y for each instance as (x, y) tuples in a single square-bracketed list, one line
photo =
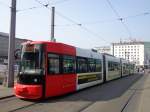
[(85, 107), (82, 101), (29, 103), (12, 104), (22, 107), (6, 97)]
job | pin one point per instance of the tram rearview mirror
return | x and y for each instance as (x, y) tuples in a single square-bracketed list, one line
[(17, 54)]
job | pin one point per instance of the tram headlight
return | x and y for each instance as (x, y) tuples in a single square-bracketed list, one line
[(35, 80)]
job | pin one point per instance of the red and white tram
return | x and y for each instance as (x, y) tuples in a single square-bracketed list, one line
[(50, 69)]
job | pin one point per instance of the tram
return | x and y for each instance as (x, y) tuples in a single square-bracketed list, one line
[(125, 67), (50, 69)]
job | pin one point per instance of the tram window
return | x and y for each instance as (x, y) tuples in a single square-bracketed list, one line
[(81, 65), (98, 65), (91, 65), (112, 66), (53, 64), (68, 64), (117, 66)]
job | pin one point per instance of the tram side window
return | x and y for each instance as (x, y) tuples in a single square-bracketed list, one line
[(112, 66), (98, 65), (53, 64), (82, 65), (68, 64), (91, 65), (124, 67), (116, 66)]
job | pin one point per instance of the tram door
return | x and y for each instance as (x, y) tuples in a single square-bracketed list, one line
[(61, 77), (68, 71), (53, 85)]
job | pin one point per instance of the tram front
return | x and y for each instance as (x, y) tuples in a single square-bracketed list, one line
[(30, 79)]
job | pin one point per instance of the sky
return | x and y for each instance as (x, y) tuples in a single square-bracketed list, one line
[(81, 23)]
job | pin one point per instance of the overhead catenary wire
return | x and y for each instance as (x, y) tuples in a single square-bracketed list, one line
[(107, 21), (31, 8), (94, 33), (120, 18), (20, 10), (74, 22), (60, 2), (68, 19), (137, 15), (87, 23), (95, 22), (45, 5), (34, 7), (82, 27), (91, 22)]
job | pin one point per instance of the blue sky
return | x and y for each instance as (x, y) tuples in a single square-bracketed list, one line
[(95, 15)]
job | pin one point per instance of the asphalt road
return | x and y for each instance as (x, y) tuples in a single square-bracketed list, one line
[(114, 96)]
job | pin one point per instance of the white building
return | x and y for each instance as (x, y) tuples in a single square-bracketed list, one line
[(103, 49), (138, 52)]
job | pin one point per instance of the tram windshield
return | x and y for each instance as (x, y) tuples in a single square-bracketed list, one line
[(31, 57)]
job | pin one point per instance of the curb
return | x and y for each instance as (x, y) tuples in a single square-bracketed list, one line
[(1, 98)]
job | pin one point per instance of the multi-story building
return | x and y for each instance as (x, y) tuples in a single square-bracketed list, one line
[(135, 51), (103, 49), (4, 41)]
